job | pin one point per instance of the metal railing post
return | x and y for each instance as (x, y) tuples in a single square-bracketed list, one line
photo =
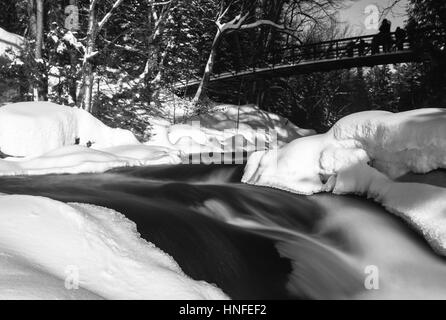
[(337, 50)]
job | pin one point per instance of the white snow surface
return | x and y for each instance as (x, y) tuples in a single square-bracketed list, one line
[(226, 128), (10, 41), (362, 154), (79, 159), (34, 128), (42, 138), (53, 250)]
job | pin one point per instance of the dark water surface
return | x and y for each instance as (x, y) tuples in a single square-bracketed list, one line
[(258, 243)]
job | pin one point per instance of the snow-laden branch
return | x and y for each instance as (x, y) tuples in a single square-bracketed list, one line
[(235, 23), (124, 47), (389, 8), (91, 55), (154, 4), (262, 22), (71, 39), (223, 13), (93, 4), (238, 22)]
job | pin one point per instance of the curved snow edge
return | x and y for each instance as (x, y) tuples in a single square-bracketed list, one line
[(111, 259), (361, 154)]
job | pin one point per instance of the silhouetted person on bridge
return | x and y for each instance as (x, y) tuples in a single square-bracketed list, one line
[(385, 36), (375, 43), (361, 47), (400, 36), (350, 49)]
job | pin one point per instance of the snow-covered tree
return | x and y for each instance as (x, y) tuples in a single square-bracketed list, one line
[(236, 16), (96, 23)]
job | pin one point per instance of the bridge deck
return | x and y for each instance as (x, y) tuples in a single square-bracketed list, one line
[(321, 57), (313, 66)]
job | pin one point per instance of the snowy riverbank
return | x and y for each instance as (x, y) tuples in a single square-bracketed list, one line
[(44, 243), (362, 154), (43, 138)]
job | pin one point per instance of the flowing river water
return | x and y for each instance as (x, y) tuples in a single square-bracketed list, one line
[(260, 243)]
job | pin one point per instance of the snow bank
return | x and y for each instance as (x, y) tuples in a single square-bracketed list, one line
[(226, 128), (420, 205), (90, 129), (413, 141), (250, 118), (48, 247), (46, 133), (34, 128), (79, 159), (361, 154)]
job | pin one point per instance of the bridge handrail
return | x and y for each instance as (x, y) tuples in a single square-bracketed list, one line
[(334, 41), (337, 49)]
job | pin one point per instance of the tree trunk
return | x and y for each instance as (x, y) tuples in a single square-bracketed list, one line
[(154, 70), (89, 82), (42, 80), (84, 98), (157, 80), (39, 28), (32, 19), (32, 34), (204, 84)]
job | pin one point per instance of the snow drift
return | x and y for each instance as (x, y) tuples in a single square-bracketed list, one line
[(361, 154), (32, 129), (79, 159), (249, 118), (52, 250), (44, 138), (226, 128), (48, 138)]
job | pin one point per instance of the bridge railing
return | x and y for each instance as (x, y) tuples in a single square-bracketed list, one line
[(347, 48), (353, 47)]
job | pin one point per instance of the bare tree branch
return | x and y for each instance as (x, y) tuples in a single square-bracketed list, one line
[(108, 14), (389, 8)]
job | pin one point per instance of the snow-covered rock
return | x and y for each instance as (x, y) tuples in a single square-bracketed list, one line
[(80, 159), (413, 141), (361, 154), (29, 129), (226, 128), (90, 129), (53, 250), (247, 119), (42, 136)]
